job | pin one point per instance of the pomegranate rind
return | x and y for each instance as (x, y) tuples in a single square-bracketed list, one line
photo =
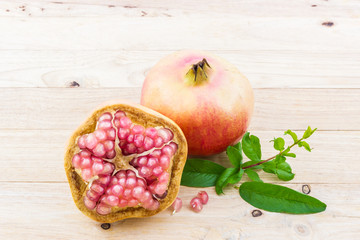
[(139, 115)]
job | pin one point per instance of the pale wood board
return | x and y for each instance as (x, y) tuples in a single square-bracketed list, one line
[(302, 58), (107, 68), (41, 210)]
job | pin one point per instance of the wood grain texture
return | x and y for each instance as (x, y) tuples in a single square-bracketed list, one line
[(143, 8), (101, 68), (212, 31), (30, 208), (65, 108)]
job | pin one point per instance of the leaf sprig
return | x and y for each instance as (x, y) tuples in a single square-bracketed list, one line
[(204, 173)]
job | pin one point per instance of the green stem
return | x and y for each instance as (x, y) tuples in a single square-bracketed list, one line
[(264, 161)]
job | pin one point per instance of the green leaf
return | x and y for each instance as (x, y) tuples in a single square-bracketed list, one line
[(234, 154), (200, 173), (279, 143), (308, 132), (283, 171), (236, 177), (238, 146), (305, 145), (279, 159), (253, 175), (222, 181), (275, 198), (286, 150), (251, 147), (269, 167), (292, 134), (251, 163), (293, 155)]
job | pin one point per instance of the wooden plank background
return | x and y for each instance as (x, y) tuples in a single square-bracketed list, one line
[(301, 56)]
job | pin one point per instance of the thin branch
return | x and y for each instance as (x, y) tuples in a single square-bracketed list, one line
[(264, 161)]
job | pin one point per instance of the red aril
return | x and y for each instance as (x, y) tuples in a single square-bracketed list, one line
[(196, 204), (176, 206), (203, 196)]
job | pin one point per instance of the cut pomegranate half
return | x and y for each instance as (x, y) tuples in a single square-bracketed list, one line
[(125, 161)]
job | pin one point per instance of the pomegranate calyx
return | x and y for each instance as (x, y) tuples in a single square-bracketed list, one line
[(198, 74)]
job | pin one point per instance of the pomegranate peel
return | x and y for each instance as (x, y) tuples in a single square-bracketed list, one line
[(113, 209), (205, 95)]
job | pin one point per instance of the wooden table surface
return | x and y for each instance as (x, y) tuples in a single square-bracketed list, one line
[(302, 58)]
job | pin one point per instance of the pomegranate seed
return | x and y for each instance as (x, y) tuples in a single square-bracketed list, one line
[(86, 174), (111, 200), (176, 205), (121, 174), (159, 142), (104, 179), (152, 162), (138, 192), (81, 141), (117, 190), (167, 150), (157, 171), (111, 154), (119, 114), (164, 178), (130, 182), (137, 129), (108, 168), (127, 193), (164, 162), (123, 133), (97, 188), (97, 168), (89, 203), (103, 209), (138, 140), (76, 161), (151, 132), (203, 196), (142, 161), (125, 122), (162, 196), (160, 188), (100, 134), (111, 134), (106, 124), (105, 116), (86, 162), (154, 205), (109, 145), (144, 172), (148, 143), (196, 204), (133, 203), (123, 203), (93, 196), (91, 141), (130, 173), (156, 153)]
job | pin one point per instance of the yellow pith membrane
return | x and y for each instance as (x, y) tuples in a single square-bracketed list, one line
[(81, 183)]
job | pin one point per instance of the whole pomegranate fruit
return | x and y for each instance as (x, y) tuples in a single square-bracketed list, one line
[(125, 161), (205, 95)]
